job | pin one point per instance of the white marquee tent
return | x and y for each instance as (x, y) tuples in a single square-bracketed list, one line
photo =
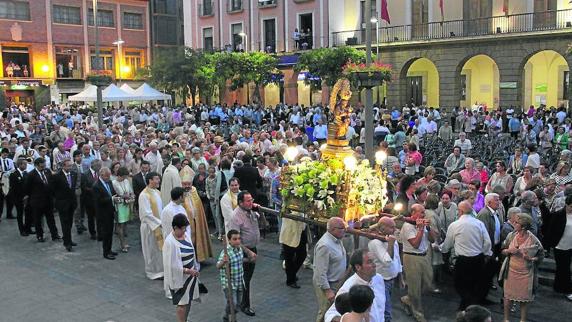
[(148, 93), (110, 94)]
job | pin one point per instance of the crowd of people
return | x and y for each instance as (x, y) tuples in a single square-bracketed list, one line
[(194, 176)]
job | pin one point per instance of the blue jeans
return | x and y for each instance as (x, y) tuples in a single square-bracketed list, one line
[(388, 291), (236, 299)]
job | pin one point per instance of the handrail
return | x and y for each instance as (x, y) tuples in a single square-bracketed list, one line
[(504, 24)]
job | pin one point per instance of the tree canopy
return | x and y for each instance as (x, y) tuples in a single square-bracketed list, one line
[(327, 63)]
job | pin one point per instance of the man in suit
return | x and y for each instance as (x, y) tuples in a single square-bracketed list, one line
[(103, 193), (88, 178), (63, 185), (40, 198), (17, 193), (249, 177), (490, 217), (139, 182)]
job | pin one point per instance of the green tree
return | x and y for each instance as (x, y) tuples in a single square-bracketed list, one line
[(175, 70), (255, 67), (327, 63)]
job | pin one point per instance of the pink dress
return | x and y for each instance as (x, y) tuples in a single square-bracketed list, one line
[(517, 286)]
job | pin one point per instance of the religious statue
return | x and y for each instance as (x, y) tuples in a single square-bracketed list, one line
[(340, 108)]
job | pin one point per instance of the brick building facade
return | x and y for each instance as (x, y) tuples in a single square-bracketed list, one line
[(48, 46)]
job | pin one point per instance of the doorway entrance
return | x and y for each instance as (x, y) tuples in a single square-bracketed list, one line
[(305, 29), (415, 90)]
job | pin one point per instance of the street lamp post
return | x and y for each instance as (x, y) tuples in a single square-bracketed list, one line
[(119, 43), (97, 67), (369, 153), (376, 22), (378, 59), (244, 40)]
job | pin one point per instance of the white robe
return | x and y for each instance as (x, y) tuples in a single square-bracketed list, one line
[(151, 252), (167, 215), (155, 160), (170, 180), (226, 211)]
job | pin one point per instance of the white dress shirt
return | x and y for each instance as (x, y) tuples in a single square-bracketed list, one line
[(468, 236), (376, 312), (385, 265)]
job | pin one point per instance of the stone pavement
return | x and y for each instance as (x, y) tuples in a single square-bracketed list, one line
[(42, 282)]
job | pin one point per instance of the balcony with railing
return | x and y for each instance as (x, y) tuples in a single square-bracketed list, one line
[(206, 9), (234, 6), (546, 21), (267, 3)]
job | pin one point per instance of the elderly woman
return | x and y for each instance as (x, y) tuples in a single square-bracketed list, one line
[(431, 206), (562, 175), (181, 266), (561, 138), (469, 173), (500, 177), (522, 183), (428, 175), (523, 253)]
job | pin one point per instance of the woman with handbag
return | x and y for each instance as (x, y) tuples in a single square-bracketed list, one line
[(519, 270)]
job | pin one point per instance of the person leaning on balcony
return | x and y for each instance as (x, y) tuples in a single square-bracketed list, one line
[(330, 263)]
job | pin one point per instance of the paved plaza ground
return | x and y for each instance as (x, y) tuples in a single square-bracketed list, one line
[(42, 282)]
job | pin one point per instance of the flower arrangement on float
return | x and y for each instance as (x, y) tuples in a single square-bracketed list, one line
[(329, 188)]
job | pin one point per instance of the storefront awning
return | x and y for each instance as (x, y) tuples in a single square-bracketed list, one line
[(287, 60)]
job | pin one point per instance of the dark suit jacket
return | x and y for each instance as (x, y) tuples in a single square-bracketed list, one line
[(104, 208), (485, 216), (86, 184), (61, 189), (17, 184), (138, 184), (249, 178), (39, 192), (556, 228)]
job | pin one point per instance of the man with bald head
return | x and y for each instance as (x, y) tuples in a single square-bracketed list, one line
[(385, 255), (416, 240), (330, 264), (471, 241)]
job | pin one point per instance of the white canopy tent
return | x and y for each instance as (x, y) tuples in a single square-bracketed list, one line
[(127, 89), (89, 94), (148, 93), (110, 94)]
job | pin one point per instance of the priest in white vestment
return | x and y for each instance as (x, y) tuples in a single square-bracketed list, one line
[(174, 207), (170, 180), (229, 202), (150, 207)]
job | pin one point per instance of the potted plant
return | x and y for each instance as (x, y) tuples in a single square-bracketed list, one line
[(99, 79), (368, 76)]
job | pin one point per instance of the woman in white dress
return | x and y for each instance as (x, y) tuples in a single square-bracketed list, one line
[(180, 267)]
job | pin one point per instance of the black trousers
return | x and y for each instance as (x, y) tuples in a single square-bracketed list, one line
[(91, 220), (294, 258), (248, 272), (562, 283), (9, 205), (65, 211), (24, 222), (491, 268), (468, 278), (105, 225), (40, 211)]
